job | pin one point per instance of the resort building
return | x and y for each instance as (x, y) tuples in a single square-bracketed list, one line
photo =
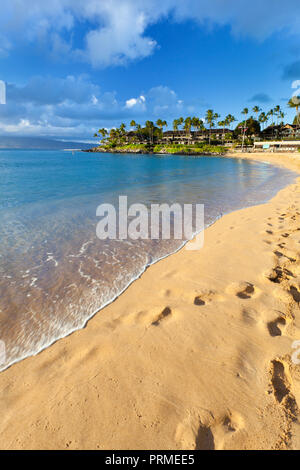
[(182, 137), (277, 146), (192, 137), (288, 131)]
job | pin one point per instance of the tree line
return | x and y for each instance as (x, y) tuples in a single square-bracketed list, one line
[(151, 130)]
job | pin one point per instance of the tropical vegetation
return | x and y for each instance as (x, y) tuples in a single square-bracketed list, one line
[(216, 132)]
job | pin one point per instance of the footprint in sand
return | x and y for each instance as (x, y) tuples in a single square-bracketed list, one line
[(281, 245), (279, 381), (214, 434), (242, 290), (199, 301), (282, 255), (295, 293), (250, 316), (280, 274), (204, 439), (206, 297), (281, 387), (164, 314), (277, 326), (246, 292)]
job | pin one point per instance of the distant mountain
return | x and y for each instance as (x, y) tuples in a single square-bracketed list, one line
[(40, 143)]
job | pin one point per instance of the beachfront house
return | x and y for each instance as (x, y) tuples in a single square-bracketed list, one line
[(277, 146), (183, 137), (287, 131), (180, 137)]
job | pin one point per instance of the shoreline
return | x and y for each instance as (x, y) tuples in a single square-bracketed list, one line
[(150, 152), (134, 414)]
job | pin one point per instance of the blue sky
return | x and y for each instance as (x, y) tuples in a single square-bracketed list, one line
[(72, 66)]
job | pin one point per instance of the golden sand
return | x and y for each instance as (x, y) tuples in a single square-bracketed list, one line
[(196, 354)]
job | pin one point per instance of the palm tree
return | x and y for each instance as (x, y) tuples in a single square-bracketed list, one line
[(114, 134), (194, 122), (222, 124), (262, 118), (282, 115), (122, 128), (256, 110), (180, 121), (277, 111), (210, 118), (245, 112), (230, 119), (271, 113), (294, 102), (150, 127), (188, 125), (132, 123), (197, 123), (159, 123), (101, 133), (175, 125)]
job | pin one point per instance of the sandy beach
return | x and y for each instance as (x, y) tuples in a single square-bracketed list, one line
[(196, 354)]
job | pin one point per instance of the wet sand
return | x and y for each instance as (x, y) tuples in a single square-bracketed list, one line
[(196, 354)]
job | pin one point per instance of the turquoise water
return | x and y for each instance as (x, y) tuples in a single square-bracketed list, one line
[(54, 272)]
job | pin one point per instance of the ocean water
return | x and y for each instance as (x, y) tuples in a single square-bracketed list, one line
[(54, 272)]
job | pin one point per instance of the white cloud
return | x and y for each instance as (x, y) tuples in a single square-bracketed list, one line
[(116, 30), (258, 19), (130, 103), (164, 101), (121, 39), (136, 103), (75, 105), (48, 90), (26, 128)]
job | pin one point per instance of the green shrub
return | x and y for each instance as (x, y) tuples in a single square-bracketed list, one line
[(190, 149)]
